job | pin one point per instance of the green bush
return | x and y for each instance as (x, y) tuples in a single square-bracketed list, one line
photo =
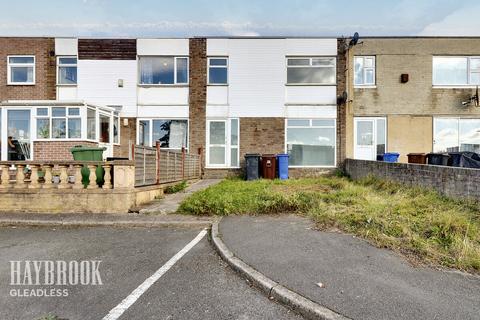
[(176, 188)]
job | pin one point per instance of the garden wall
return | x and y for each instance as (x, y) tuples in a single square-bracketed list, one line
[(450, 181)]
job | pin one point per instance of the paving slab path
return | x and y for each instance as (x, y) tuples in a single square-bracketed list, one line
[(347, 274), (171, 202)]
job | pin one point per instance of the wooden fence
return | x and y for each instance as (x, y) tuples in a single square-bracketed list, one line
[(154, 165)]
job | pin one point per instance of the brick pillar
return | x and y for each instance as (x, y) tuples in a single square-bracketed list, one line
[(198, 95), (341, 108)]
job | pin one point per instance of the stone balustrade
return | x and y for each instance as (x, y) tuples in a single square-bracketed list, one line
[(65, 175)]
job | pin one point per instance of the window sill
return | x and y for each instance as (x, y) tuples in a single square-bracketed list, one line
[(20, 84), (365, 87), (217, 84), (66, 85), (310, 84), (163, 85), (221, 168), (312, 167), (456, 87)]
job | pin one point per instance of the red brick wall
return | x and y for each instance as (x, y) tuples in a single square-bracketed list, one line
[(56, 150), (45, 74), (197, 94)]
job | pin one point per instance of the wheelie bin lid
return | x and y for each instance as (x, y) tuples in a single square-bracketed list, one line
[(87, 148), (249, 155)]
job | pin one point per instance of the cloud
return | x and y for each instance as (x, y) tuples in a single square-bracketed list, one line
[(462, 22)]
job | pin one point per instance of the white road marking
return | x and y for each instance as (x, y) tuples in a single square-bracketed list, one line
[(116, 312)]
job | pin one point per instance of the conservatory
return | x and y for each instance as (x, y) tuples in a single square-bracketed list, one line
[(47, 129)]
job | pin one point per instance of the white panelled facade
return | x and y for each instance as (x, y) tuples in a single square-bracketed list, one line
[(257, 79), (66, 47), (110, 83)]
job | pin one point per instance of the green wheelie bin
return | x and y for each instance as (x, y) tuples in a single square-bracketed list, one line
[(87, 153)]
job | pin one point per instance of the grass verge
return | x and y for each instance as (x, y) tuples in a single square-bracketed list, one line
[(176, 188), (420, 223)]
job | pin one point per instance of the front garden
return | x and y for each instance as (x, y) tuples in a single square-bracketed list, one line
[(421, 224)]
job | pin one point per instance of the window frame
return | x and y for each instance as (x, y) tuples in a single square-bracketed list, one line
[(228, 144), (50, 118), (364, 84), (287, 58), (66, 65), (150, 131), (10, 65), (174, 84), (227, 67), (310, 126), (458, 126), (469, 72)]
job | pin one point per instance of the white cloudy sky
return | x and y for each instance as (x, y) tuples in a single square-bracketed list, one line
[(246, 17)]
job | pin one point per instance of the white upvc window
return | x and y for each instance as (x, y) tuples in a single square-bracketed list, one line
[(223, 141), (58, 123), (21, 70), (311, 142), (456, 71), (311, 70), (163, 70), (171, 133), (67, 70), (364, 71), (217, 71), (456, 134)]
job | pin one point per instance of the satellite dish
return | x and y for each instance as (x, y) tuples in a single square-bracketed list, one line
[(476, 99), (354, 40), (342, 99)]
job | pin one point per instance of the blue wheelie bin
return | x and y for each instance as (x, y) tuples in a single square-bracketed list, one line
[(282, 166), (391, 157)]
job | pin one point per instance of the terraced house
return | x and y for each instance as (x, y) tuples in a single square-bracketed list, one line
[(413, 95), (223, 97)]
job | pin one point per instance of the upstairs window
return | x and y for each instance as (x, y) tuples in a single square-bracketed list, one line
[(365, 71), (217, 71), (163, 70), (311, 70), (21, 70), (67, 70), (456, 71)]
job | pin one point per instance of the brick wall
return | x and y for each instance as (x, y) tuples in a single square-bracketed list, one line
[(128, 134), (45, 73), (56, 150), (341, 108), (450, 181), (197, 94)]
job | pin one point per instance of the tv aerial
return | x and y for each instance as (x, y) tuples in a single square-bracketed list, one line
[(475, 100)]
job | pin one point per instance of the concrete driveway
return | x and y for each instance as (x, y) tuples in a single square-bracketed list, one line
[(198, 285)]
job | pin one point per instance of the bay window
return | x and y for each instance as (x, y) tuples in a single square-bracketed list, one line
[(456, 71), (455, 134), (223, 143), (163, 70), (312, 70), (67, 70), (311, 142), (171, 133), (21, 70)]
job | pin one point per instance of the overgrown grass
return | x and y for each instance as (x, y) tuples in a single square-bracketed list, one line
[(176, 188), (417, 222)]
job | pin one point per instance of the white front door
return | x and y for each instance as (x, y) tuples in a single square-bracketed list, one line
[(370, 138), (217, 143)]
